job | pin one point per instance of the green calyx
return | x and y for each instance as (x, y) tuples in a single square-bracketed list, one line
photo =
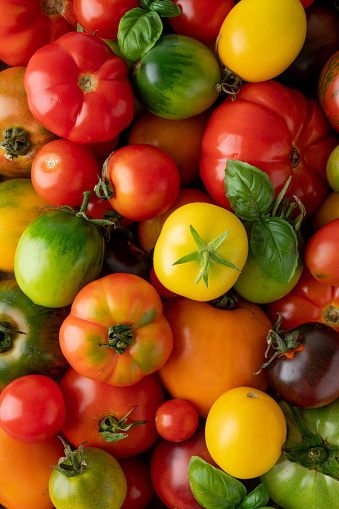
[(113, 430), (15, 143), (73, 463), (206, 255), (6, 333), (120, 336), (313, 452)]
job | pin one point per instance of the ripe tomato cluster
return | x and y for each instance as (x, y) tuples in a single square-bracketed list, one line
[(169, 279)]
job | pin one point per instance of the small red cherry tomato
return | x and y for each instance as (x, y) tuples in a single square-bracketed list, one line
[(321, 254), (32, 409), (176, 419), (140, 489)]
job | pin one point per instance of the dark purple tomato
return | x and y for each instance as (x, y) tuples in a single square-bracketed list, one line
[(307, 376)]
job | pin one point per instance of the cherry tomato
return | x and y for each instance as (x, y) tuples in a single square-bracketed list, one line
[(32, 408), (140, 489), (321, 254), (176, 419), (62, 171)]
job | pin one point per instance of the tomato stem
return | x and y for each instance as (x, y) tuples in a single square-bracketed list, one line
[(6, 333), (73, 463), (15, 142), (120, 336), (113, 430)]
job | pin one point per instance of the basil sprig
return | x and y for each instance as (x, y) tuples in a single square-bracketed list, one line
[(272, 231), (140, 28), (214, 489)]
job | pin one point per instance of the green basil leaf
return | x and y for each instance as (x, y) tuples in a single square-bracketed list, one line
[(256, 498), (249, 190), (165, 8), (213, 488), (275, 245), (145, 3), (138, 31)]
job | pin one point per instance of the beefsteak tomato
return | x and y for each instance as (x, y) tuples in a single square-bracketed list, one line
[(328, 86)]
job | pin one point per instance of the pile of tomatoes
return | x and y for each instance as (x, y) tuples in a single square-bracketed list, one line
[(169, 278)]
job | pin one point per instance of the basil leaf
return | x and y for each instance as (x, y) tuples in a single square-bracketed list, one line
[(256, 498), (165, 8), (138, 31), (275, 245), (213, 488), (249, 190), (145, 3)]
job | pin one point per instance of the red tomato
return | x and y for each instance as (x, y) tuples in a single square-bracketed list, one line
[(27, 25), (278, 130), (102, 17), (309, 301), (32, 408), (321, 254), (78, 89), (62, 171), (144, 180), (116, 331), (328, 90), (96, 413), (140, 489), (160, 288), (176, 419), (201, 20), (306, 3)]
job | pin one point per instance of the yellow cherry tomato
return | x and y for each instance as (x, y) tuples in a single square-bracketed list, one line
[(245, 431), (259, 39), (200, 251)]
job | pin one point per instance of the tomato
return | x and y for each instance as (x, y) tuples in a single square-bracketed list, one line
[(306, 3), (278, 130), (58, 254), (176, 78), (309, 301), (19, 206), (213, 350), (149, 230), (62, 171), (211, 269), (169, 469), (22, 134), (328, 90), (259, 39), (29, 338), (96, 480), (18, 490), (102, 18), (300, 480), (327, 211), (201, 21), (176, 419), (119, 420), (180, 138), (116, 331), (140, 489), (245, 430), (321, 254), (78, 89), (160, 288), (143, 181), (27, 25), (32, 408)]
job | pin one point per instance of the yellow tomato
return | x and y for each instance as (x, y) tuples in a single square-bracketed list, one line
[(259, 39), (332, 169), (327, 211), (245, 431), (200, 251)]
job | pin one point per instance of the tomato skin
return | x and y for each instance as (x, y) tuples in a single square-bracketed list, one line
[(309, 301), (19, 490), (145, 181), (93, 79), (180, 138), (88, 402), (104, 17), (62, 171), (30, 24), (203, 365), (15, 113), (321, 254), (259, 39), (272, 124), (245, 430), (328, 90), (140, 489), (37, 351), (176, 419), (327, 211), (101, 483), (19, 206)]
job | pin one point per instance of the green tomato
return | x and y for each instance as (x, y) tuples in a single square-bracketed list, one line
[(57, 255), (177, 78), (88, 478), (295, 485)]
